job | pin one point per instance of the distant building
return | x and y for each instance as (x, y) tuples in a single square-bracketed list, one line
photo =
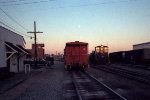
[(141, 46), (40, 51), (12, 52)]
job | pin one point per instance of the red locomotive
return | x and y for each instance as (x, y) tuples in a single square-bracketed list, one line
[(76, 55)]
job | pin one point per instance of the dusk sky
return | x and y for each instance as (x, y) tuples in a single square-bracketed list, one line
[(116, 23)]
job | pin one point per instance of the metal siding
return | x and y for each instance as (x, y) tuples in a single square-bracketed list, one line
[(9, 36), (141, 46), (2, 55), (21, 64), (13, 64), (147, 54)]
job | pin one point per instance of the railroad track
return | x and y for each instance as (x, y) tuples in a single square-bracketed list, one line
[(147, 76), (141, 77), (89, 88), (143, 67)]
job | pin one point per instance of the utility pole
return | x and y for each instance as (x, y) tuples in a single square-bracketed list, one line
[(35, 45)]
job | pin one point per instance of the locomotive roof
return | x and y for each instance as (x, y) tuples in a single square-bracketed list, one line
[(101, 46), (76, 43)]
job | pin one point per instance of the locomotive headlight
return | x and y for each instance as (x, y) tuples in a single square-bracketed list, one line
[(106, 49), (97, 49)]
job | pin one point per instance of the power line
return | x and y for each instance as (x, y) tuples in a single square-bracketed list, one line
[(96, 4), (13, 19), (7, 26), (14, 29), (25, 3), (11, 1)]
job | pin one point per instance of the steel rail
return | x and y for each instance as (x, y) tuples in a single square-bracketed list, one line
[(125, 74), (78, 93), (93, 79), (106, 86), (131, 72)]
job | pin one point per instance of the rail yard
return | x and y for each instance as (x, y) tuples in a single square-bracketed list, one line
[(56, 83), (74, 50), (80, 77)]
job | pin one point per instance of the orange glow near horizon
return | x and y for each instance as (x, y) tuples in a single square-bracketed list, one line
[(53, 47)]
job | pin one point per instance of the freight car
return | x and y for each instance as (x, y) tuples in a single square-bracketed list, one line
[(117, 57), (76, 55), (99, 56), (140, 56)]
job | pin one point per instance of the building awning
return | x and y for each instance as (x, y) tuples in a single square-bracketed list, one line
[(23, 49), (14, 49)]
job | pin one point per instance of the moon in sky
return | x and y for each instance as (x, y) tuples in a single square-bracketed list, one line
[(79, 26)]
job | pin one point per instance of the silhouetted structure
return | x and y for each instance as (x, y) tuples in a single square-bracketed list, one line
[(12, 52), (99, 56), (141, 46), (40, 51), (139, 56), (35, 50)]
